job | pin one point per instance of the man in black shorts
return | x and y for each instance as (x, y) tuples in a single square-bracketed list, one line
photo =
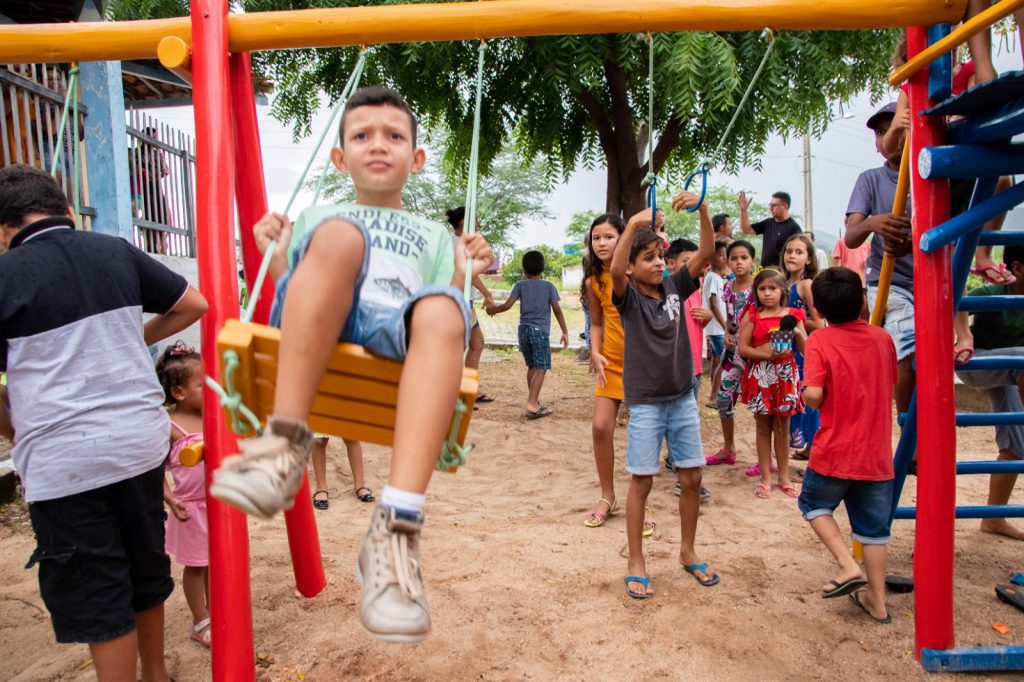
[(774, 230), (87, 420)]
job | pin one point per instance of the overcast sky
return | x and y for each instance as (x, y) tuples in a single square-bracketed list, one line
[(846, 149)]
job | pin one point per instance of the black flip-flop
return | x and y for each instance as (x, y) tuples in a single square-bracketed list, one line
[(1011, 594), (484, 398), (899, 584), (544, 411), (321, 504), (856, 600), (840, 589), (365, 497)]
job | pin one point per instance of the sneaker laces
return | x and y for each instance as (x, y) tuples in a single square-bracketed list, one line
[(400, 568)]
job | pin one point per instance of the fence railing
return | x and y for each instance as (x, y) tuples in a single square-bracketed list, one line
[(161, 163), (31, 103)]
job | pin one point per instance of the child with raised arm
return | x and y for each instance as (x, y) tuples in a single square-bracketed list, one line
[(538, 298), (372, 274), (801, 268), (712, 290), (180, 370), (88, 418), (658, 382), (771, 379), (850, 371)]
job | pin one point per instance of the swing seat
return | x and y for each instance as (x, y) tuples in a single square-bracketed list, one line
[(357, 395)]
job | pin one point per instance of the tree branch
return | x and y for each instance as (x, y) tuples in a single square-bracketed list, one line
[(598, 116), (622, 114), (668, 141)]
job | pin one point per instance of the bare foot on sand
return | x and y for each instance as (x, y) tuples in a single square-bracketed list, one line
[(1001, 527)]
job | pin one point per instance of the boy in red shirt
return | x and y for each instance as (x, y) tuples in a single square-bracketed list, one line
[(849, 375)]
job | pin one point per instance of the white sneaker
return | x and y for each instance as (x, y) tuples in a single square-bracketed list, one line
[(265, 477), (394, 605)]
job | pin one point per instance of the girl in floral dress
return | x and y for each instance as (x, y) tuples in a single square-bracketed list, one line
[(771, 380), (740, 255)]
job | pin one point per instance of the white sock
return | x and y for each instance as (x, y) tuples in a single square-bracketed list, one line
[(403, 500)]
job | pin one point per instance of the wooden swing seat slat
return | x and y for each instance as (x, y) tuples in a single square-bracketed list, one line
[(357, 395)]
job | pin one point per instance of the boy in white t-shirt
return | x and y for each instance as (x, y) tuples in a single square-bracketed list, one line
[(711, 294)]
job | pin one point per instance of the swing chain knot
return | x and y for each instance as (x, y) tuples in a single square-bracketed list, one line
[(650, 180), (453, 455), (231, 399)]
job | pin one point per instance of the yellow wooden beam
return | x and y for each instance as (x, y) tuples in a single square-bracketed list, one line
[(465, 21), (982, 22), (176, 56)]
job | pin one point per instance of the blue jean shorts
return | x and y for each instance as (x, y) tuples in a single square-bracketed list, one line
[(535, 345), (899, 318), (868, 504), (676, 422), (716, 345), (380, 329), (1000, 387)]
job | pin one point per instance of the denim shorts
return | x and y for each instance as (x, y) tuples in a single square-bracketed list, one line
[(535, 345), (868, 504), (899, 318), (716, 345), (1000, 387), (676, 422), (101, 557), (380, 329)]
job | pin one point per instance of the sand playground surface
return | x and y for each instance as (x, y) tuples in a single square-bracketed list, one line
[(520, 589)]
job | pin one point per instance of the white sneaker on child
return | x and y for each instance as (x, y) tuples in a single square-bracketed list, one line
[(265, 477), (394, 604)]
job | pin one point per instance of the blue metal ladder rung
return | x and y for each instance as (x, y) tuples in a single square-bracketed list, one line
[(989, 418), (1002, 238), (972, 219), (986, 511), (973, 659), (988, 304), (990, 362), (998, 466)]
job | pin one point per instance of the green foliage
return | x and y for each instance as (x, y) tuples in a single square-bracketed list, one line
[(720, 199), (554, 261), (580, 101), (126, 10), (513, 193)]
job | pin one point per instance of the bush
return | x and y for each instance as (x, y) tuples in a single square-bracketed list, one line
[(554, 261)]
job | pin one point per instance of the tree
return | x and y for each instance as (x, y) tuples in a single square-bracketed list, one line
[(572, 100), (553, 263), (511, 194)]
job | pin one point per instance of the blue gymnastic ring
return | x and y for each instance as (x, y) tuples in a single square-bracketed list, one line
[(702, 171)]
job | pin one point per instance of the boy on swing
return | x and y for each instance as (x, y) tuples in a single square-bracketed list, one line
[(371, 274)]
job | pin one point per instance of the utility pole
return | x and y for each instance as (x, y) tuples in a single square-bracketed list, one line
[(808, 202)]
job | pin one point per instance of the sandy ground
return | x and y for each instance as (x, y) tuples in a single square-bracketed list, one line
[(520, 589)]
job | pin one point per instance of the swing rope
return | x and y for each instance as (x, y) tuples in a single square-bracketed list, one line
[(651, 180), (452, 454), (70, 103), (705, 165)]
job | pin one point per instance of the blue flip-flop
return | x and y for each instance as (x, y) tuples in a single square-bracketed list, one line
[(643, 580), (703, 568), (1017, 579)]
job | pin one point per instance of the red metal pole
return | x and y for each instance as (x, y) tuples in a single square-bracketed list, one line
[(230, 604), (300, 521), (936, 412), (250, 190)]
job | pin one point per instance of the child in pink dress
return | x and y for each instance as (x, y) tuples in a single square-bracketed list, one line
[(181, 375)]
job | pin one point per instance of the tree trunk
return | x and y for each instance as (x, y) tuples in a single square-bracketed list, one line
[(625, 193)]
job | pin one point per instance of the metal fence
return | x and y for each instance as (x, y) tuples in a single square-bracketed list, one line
[(32, 102), (162, 164)]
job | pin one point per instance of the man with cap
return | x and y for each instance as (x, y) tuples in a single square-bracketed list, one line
[(870, 212), (774, 230)]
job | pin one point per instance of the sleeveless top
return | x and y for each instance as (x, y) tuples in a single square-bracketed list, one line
[(614, 338), (189, 482)]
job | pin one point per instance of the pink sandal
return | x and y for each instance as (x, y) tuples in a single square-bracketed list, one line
[(789, 490), (756, 470), (762, 491), (723, 456), (201, 632), (1005, 278)]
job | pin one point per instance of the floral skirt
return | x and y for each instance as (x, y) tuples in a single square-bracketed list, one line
[(773, 387)]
